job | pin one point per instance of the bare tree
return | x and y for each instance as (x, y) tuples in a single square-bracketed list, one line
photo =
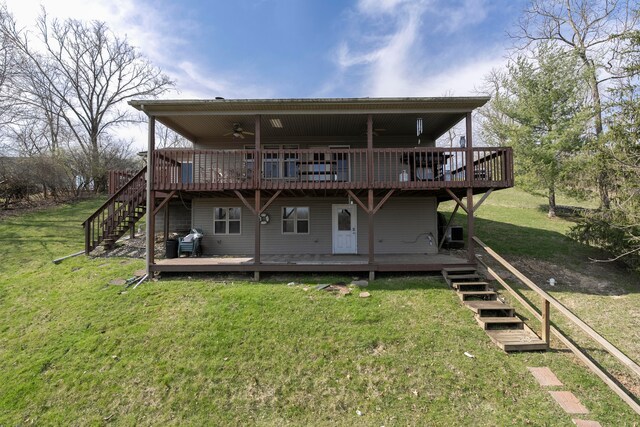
[(593, 30), (166, 138), (83, 74)]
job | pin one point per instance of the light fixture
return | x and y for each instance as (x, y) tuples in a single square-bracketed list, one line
[(276, 123), (463, 141)]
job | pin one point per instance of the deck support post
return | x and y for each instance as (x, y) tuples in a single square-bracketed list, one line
[(151, 219), (370, 205), (546, 324), (256, 250), (470, 226), (470, 177), (371, 235), (257, 169)]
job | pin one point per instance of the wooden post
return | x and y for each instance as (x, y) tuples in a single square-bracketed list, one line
[(470, 226), (87, 236), (369, 151), (257, 171), (370, 205), (257, 161), (371, 235), (150, 195), (256, 249), (546, 324), (469, 172), (469, 153)]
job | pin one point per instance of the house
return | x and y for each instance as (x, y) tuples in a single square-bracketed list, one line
[(307, 184)]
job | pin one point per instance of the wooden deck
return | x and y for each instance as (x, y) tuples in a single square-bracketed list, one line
[(312, 263)]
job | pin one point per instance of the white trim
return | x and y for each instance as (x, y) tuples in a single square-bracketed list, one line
[(295, 221), (227, 220)]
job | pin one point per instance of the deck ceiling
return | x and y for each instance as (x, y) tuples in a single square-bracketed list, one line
[(200, 120)]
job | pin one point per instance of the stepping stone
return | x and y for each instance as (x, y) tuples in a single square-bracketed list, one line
[(586, 423), (569, 402), (545, 377)]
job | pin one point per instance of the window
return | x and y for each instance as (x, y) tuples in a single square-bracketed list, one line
[(295, 220), (226, 220), (282, 163)]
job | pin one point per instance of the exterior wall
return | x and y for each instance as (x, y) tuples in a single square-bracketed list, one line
[(179, 217), (402, 225)]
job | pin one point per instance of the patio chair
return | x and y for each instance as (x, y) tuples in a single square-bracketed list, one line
[(191, 243)]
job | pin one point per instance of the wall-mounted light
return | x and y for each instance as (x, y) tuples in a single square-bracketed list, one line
[(463, 141)]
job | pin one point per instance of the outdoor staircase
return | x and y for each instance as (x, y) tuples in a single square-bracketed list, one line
[(499, 320), (117, 215)]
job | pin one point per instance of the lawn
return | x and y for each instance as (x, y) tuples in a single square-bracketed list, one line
[(224, 351)]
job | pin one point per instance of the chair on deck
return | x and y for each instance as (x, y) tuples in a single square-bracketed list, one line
[(191, 243)]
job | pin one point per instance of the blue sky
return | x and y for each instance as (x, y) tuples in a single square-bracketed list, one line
[(291, 49)]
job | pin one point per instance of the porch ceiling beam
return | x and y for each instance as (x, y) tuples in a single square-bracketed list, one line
[(458, 201), (382, 202), (446, 229), (358, 201), (164, 202), (245, 201), (271, 200), (479, 202)]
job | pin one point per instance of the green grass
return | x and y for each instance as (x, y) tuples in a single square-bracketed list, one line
[(222, 351)]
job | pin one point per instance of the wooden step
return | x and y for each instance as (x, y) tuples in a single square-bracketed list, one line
[(490, 308), (470, 295), (471, 286), (459, 277), (459, 270), (493, 323), (517, 340)]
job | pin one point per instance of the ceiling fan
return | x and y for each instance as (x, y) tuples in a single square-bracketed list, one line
[(238, 132)]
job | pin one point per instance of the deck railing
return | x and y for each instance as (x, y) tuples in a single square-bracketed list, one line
[(329, 168)]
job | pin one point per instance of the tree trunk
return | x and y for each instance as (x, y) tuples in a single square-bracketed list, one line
[(602, 173), (552, 203)]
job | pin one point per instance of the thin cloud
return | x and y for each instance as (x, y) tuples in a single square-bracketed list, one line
[(406, 48)]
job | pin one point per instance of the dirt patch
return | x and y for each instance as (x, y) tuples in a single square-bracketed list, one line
[(591, 279)]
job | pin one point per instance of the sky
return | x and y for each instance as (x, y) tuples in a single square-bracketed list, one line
[(305, 48)]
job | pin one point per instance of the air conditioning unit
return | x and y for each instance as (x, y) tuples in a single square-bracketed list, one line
[(454, 237)]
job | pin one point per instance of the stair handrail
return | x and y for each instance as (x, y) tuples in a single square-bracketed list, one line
[(610, 348), (115, 195), (611, 382)]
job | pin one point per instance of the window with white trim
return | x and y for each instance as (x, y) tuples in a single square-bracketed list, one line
[(295, 220), (226, 220)]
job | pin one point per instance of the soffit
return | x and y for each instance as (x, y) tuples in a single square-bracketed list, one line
[(211, 119)]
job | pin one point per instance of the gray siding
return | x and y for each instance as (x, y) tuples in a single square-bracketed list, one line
[(402, 226)]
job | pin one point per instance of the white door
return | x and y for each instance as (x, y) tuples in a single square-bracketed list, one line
[(345, 229)]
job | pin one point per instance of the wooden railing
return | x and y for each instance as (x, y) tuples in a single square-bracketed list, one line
[(118, 214), (544, 316), (328, 168), (118, 178)]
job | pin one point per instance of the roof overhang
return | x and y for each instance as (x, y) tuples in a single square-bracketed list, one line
[(198, 119)]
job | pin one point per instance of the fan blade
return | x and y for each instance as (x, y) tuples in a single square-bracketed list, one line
[(241, 135), (228, 133), (248, 133)]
